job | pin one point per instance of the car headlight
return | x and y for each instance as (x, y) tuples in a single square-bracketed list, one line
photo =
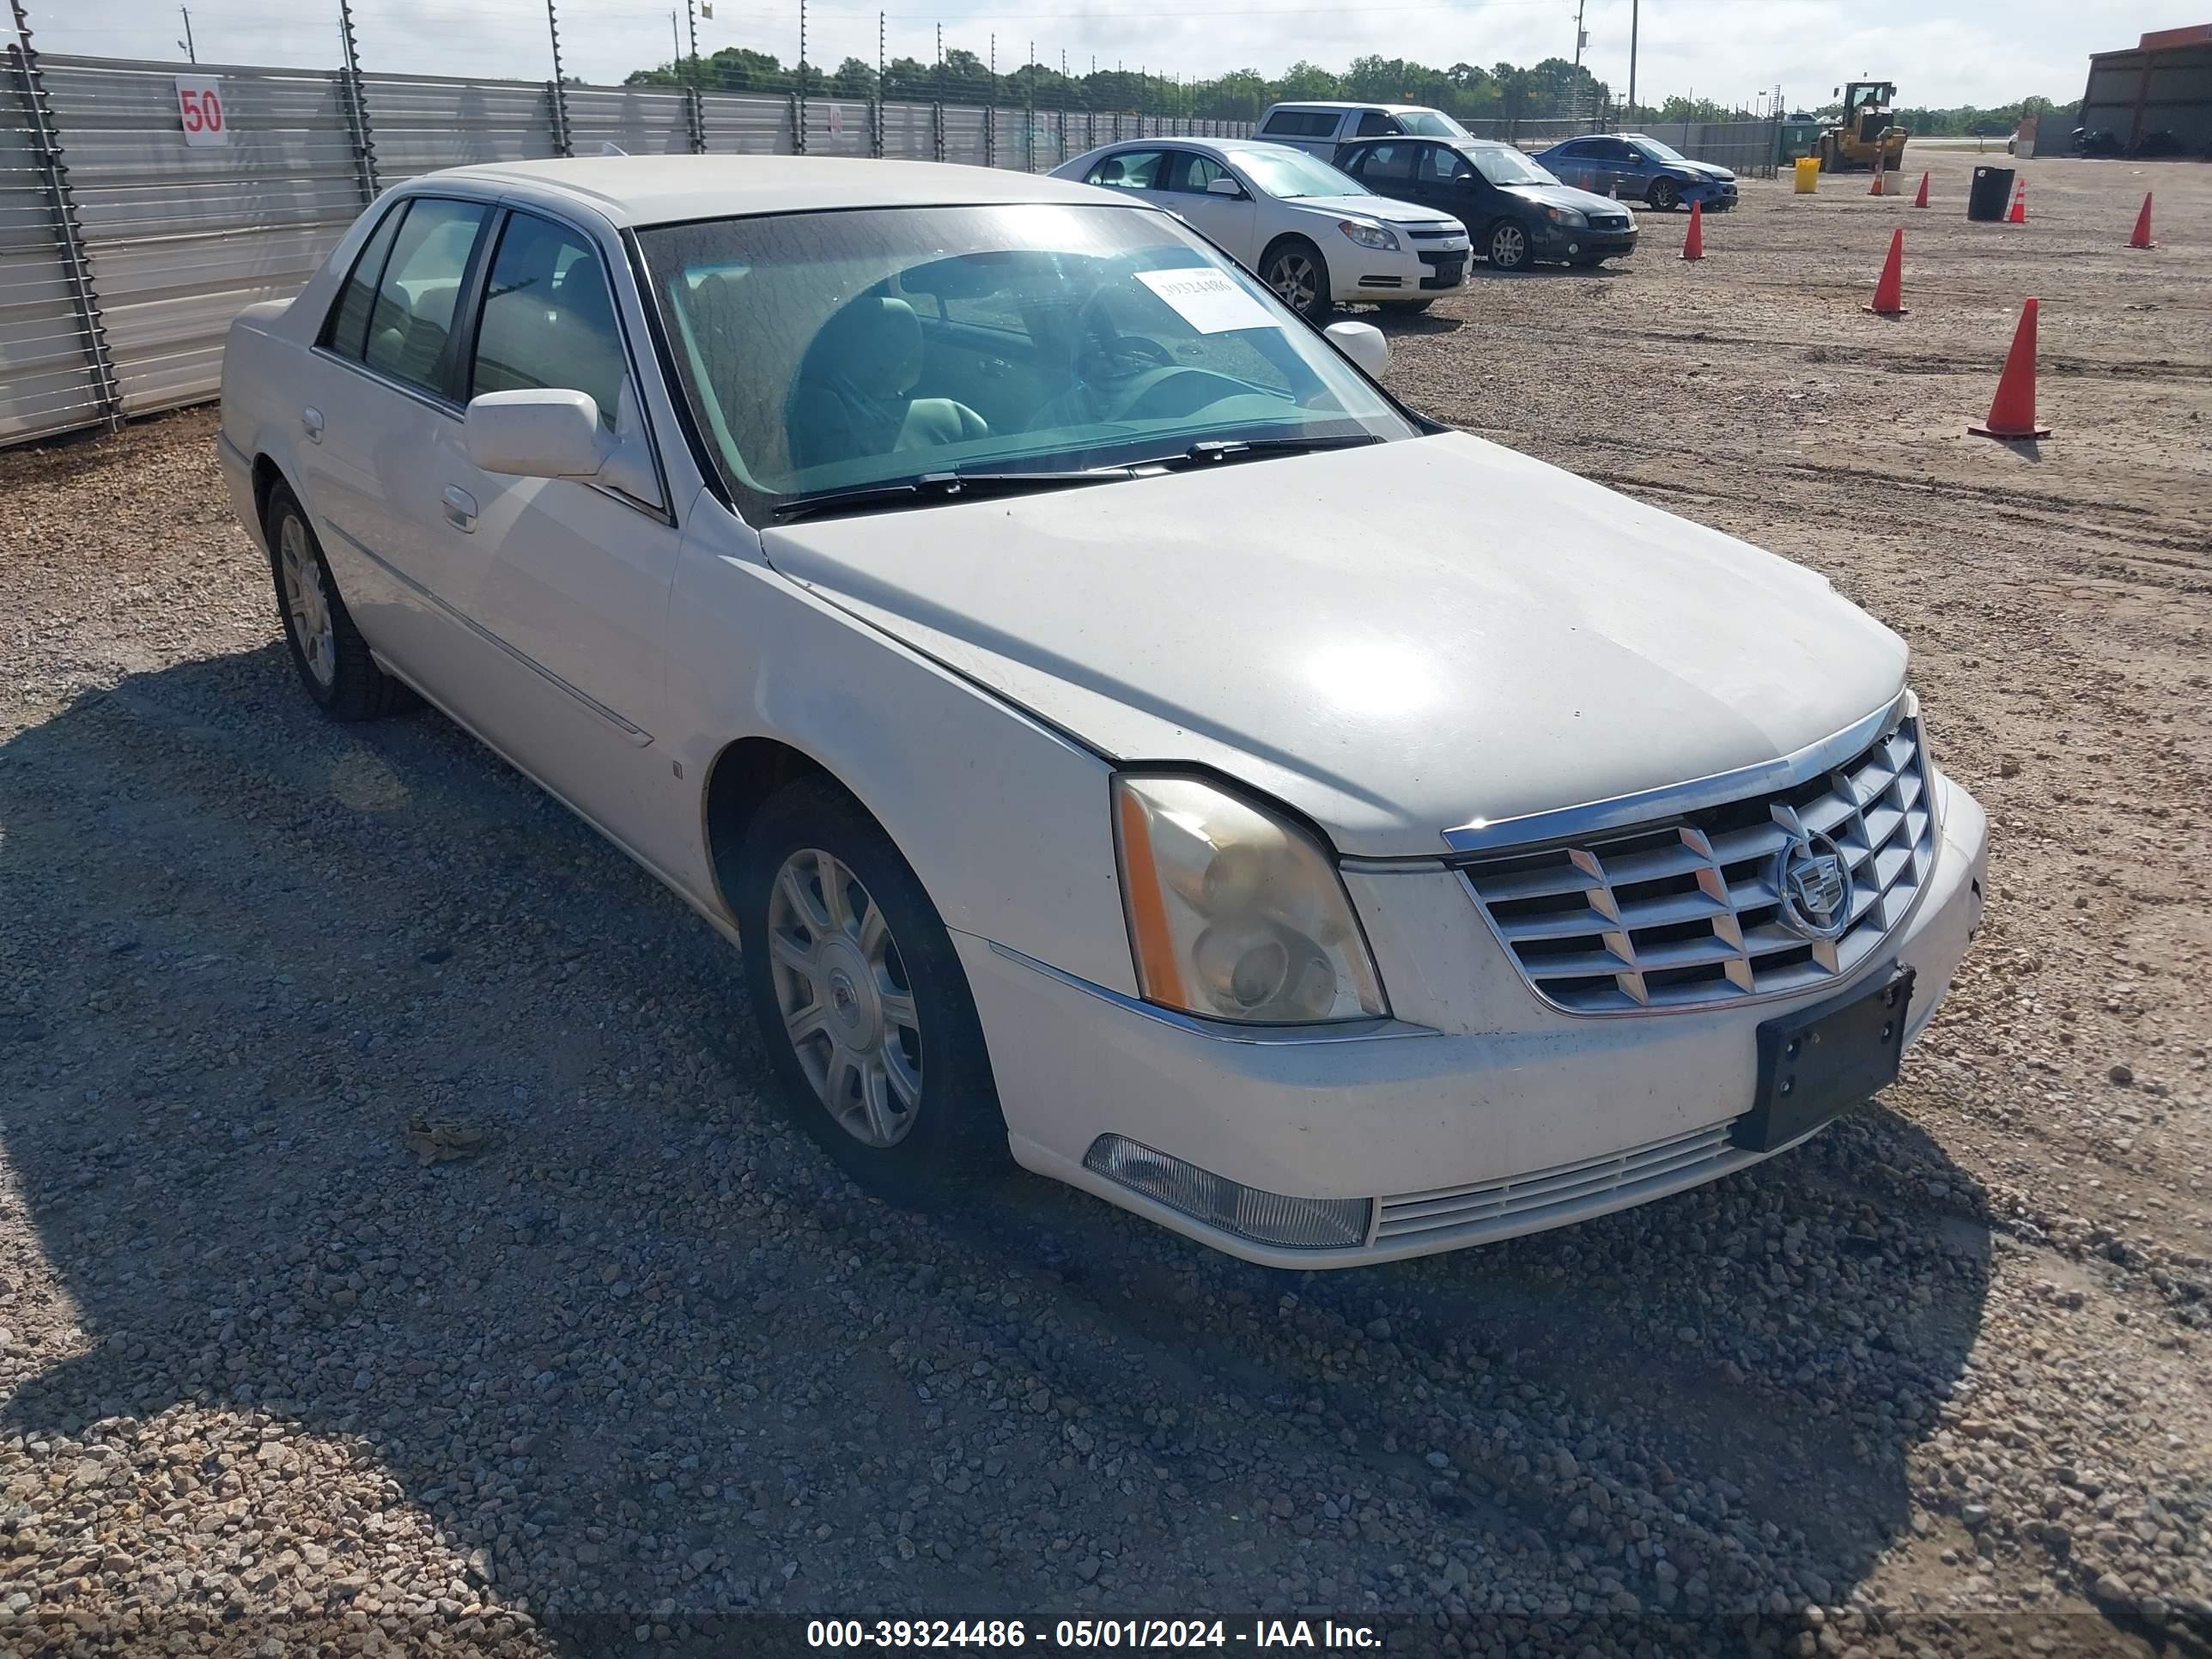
[(1374, 236), (1571, 216), (1234, 914)]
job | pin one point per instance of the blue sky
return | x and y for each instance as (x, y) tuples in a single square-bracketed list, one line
[(1940, 51)]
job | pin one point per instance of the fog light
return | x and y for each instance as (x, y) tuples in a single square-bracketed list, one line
[(1574, 248), (1298, 1224)]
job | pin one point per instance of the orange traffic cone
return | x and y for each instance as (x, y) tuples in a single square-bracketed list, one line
[(2141, 238), (1921, 200), (1693, 246), (2012, 411), (2019, 213), (1889, 292), (1875, 189)]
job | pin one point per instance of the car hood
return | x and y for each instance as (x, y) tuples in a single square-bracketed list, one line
[(1565, 196), (1703, 170), (1385, 207), (1394, 640)]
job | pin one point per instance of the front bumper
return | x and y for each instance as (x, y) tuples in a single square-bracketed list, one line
[(1417, 270), (1551, 242), (1477, 1114), (1718, 197)]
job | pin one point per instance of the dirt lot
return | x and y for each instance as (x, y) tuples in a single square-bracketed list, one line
[(1934, 1384)]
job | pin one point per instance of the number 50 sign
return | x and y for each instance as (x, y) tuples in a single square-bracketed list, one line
[(199, 107)]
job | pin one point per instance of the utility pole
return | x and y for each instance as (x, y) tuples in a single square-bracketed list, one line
[(1634, 8), (675, 41), (691, 22), (1580, 37), (187, 41)]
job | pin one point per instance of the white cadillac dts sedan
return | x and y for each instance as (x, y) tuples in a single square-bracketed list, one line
[(1117, 732)]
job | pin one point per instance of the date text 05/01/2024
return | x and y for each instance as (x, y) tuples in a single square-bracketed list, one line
[(975, 1634)]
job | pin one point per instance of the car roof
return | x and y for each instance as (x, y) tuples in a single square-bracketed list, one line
[(1221, 146), (643, 189), (1339, 103)]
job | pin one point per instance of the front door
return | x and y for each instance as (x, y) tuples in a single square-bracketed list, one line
[(1225, 220), (564, 582)]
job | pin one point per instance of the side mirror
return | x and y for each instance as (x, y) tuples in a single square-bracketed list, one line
[(1363, 342), (1225, 185), (536, 434)]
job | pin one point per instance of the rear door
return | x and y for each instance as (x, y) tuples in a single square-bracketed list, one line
[(1387, 169), (379, 402)]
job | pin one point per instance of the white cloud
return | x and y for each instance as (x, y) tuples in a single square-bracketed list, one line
[(1940, 52)]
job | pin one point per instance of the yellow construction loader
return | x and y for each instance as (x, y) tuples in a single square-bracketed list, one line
[(1867, 134)]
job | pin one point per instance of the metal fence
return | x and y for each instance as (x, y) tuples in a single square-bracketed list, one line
[(126, 248), (127, 244)]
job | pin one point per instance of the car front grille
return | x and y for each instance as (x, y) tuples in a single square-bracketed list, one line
[(1437, 234), (1569, 1192), (1689, 912), (1609, 222)]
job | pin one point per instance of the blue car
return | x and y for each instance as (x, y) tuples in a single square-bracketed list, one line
[(1636, 168)]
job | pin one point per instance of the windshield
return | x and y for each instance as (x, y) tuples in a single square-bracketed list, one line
[(1428, 124), (1288, 174), (1501, 166), (1659, 152), (826, 352)]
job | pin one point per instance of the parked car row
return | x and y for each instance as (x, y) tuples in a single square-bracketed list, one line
[(1324, 833), (1334, 203)]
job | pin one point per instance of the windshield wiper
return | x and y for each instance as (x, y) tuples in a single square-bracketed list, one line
[(933, 487), (1213, 451)]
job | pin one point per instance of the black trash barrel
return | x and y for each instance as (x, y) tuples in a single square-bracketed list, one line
[(1991, 195)]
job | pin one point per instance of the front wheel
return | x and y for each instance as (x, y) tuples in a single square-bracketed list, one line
[(1299, 276), (1508, 245), (861, 1002), (1665, 195)]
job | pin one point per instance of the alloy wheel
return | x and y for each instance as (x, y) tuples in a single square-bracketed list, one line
[(1291, 276), (843, 995), (1508, 245), (307, 606)]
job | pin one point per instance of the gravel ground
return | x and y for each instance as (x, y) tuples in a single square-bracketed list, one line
[(1932, 1385)]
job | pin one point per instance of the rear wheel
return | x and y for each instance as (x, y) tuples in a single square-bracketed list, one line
[(332, 659), (1664, 196), (1295, 269), (1508, 245), (861, 1002)]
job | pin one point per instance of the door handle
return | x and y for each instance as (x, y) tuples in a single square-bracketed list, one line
[(311, 423), (460, 508)]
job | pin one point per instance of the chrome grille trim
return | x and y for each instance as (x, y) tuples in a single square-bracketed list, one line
[(1564, 1192), (1683, 911)]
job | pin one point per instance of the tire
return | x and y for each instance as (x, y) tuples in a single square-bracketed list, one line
[(332, 659), (893, 1037), (1294, 268), (1506, 246), (1664, 196)]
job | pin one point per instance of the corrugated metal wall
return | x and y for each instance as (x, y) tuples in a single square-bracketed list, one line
[(2135, 96), (50, 373), (174, 240), (181, 240)]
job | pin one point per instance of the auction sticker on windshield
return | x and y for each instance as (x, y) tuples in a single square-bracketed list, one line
[(1210, 302)]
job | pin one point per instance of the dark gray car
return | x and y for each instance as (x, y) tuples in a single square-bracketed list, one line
[(1516, 213)]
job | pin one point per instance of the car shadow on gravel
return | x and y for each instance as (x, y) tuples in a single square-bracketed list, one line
[(645, 1360)]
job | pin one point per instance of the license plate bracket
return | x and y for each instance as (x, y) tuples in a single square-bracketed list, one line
[(1821, 1060)]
